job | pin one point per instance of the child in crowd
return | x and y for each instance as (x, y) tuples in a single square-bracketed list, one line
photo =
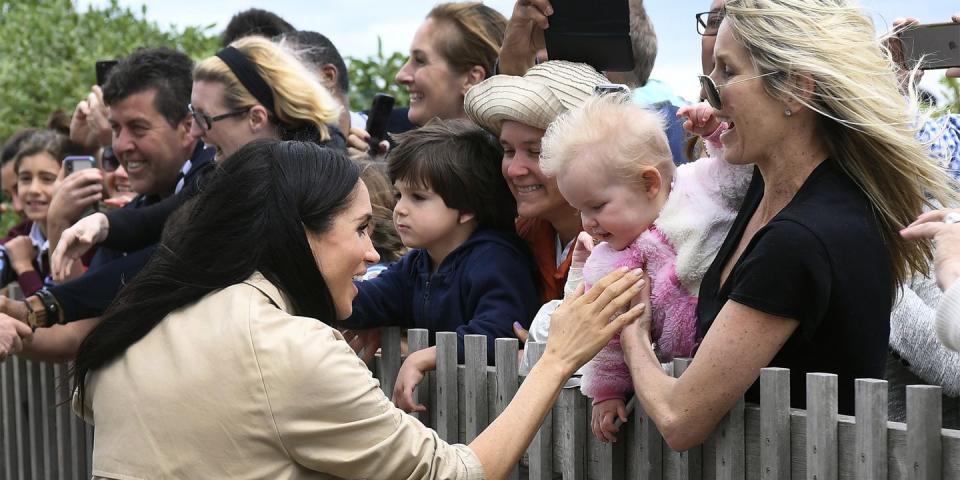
[(467, 270), (36, 166), (613, 163)]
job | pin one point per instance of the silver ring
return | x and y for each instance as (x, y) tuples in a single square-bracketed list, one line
[(952, 217)]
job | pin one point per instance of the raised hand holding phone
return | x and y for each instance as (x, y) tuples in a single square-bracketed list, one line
[(932, 46)]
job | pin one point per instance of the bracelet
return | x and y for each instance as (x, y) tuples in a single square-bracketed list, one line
[(51, 306)]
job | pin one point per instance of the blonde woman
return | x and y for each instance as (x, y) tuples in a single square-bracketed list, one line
[(806, 277), (254, 89)]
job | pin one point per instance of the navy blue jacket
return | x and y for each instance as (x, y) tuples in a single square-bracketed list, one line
[(482, 287)]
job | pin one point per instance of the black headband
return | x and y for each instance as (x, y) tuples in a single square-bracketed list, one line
[(243, 68)]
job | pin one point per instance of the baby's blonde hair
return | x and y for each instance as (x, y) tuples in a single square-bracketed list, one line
[(624, 135), (867, 125)]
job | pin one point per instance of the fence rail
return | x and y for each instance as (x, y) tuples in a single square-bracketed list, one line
[(41, 438)]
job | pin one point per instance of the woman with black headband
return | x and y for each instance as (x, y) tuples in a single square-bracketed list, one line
[(250, 90)]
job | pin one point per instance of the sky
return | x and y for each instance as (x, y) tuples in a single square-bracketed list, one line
[(354, 25)]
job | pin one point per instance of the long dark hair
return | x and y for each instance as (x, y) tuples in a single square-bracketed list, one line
[(251, 216)]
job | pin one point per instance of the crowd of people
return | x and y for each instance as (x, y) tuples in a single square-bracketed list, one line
[(220, 279)]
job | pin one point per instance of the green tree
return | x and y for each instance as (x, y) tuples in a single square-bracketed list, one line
[(952, 94), (48, 49), (374, 75)]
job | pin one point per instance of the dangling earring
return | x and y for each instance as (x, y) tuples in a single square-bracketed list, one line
[(788, 112)]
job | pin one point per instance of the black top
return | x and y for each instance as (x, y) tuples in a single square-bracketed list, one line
[(821, 261)]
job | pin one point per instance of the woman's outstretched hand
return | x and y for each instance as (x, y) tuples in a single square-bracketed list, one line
[(582, 324)]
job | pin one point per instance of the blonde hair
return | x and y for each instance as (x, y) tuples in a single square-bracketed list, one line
[(299, 98), (624, 135), (480, 31), (869, 128)]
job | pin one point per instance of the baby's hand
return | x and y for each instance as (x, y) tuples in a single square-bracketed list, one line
[(582, 249), (603, 417), (700, 119)]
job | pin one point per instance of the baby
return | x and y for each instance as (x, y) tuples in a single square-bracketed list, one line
[(613, 163)]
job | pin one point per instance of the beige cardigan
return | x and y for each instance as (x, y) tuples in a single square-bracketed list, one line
[(233, 386)]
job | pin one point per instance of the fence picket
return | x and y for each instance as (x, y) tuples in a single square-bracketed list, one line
[(506, 353), (923, 431), (475, 384), (34, 409), (418, 339), (7, 421), (389, 364), (447, 398), (540, 451), (822, 426), (871, 436), (21, 439), (775, 424), (570, 433)]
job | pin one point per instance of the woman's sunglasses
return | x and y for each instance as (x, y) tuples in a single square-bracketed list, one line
[(109, 161), (712, 90)]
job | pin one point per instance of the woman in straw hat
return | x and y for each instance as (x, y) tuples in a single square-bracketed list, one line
[(518, 111)]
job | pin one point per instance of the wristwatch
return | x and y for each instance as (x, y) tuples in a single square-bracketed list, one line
[(36, 314), (43, 309)]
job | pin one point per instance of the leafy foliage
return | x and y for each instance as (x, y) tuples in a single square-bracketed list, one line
[(374, 75), (48, 49), (952, 93)]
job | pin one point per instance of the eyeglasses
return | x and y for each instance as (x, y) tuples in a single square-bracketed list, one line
[(712, 90), (205, 121), (709, 22)]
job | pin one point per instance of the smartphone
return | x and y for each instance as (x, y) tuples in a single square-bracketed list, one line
[(933, 46), (595, 33), (103, 70), (75, 163), (378, 118)]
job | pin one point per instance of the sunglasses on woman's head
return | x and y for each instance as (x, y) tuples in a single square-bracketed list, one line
[(712, 90)]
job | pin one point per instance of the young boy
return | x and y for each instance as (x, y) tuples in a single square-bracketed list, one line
[(467, 272)]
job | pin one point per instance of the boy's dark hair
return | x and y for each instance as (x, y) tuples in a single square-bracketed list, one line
[(319, 51), (14, 143), (460, 162), (167, 71), (255, 22)]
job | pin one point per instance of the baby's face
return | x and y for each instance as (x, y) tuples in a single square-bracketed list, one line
[(613, 209)]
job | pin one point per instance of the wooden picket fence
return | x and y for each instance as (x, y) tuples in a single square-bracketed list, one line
[(41, 438), (766, 441)]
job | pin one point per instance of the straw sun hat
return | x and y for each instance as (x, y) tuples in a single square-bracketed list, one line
[(535, 99)]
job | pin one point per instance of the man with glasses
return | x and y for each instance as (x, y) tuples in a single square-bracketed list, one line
[(146, 96)]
